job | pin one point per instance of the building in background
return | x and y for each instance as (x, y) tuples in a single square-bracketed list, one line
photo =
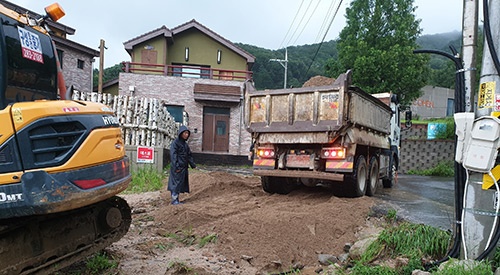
[(200, 78), (435, 102), (76, 59)]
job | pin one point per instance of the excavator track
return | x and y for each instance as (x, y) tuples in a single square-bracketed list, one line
[(47, 243)]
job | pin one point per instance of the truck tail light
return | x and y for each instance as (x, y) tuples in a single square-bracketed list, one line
[(333, 153), (265, 153)]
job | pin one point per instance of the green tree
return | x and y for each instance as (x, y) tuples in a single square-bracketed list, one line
[(377, 44), (108, 74)]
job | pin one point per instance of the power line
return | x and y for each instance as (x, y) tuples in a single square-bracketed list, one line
[(323, 24), (324, 37), (291, 25), (315, 8), (301, 19)]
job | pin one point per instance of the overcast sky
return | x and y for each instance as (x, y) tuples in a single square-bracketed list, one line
[(270, 24)]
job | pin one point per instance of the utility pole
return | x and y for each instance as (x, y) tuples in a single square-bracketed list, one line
[(469, 40), (284, 64), (101, 65), (489, 90)]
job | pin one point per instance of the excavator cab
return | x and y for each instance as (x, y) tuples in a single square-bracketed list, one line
[(29, 69)]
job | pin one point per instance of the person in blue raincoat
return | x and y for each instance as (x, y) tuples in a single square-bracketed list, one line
[(180, 159)]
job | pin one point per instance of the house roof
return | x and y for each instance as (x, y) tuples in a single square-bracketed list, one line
[(75, 46), (179, 29), (53, 25), (161, 31)]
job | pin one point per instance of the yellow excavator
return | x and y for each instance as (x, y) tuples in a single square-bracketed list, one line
[(62, 162)]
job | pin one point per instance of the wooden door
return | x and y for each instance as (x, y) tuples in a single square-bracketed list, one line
[(215, 132)]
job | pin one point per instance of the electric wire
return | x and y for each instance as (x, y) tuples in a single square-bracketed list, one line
[(324, 23), (322, 40), (460, 172), (291, 25), (300, 23), (305, 25)]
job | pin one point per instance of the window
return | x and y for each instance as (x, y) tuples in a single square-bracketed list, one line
[(176, 111), (191, 71), (80, 64), (450, 107), (60, 55)]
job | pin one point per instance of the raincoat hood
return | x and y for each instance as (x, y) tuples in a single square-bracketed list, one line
[(182, 129)]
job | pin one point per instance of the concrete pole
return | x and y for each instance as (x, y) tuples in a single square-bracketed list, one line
[(479, 218), (469, 40), (489, 87), (284, 64)]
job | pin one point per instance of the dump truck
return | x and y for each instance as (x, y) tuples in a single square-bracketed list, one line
[(62, 162), (336, 136)]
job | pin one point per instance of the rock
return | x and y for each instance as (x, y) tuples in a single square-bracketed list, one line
[(466, 264), (246, 258), (327, 259), (343, 257), (347, 247), (359, 247), (419, 272)]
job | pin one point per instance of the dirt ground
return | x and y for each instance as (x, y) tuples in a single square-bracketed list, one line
[(256, 232)]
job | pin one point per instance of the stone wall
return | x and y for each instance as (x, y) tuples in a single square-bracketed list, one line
[(419, 153)]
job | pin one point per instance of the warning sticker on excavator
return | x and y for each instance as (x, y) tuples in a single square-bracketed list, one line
[(17, 115), (486, 96)]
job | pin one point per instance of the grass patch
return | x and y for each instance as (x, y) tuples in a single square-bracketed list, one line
[(99, 263), (444, 168), (210, 238), (188, 238), (411, 241), (455, 267), (145, 179), (179, 267)]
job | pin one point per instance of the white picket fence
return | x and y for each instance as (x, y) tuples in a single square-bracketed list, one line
[(144, 121)]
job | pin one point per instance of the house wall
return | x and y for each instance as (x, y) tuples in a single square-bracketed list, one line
[(179, 91), (158, 44), (81, 79), (203, 51), (433, 103)]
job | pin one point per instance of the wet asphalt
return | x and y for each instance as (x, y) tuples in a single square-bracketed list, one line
[(422, 200)]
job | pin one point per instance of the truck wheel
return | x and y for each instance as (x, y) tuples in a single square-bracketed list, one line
[(373, 177), (391, 179), (355, 183), (277, 185)]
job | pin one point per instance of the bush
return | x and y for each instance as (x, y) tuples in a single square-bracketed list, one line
[(444, 168), (447, 129)]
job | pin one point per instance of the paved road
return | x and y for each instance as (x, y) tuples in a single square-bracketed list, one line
[(422, 199)]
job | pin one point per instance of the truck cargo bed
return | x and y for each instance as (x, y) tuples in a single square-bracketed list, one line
[(315, 109)]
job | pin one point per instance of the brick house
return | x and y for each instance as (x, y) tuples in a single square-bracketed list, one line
[(200, 78), (76, 59)]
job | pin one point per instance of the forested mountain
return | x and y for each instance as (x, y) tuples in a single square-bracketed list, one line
[(303, 64), (307, 61)]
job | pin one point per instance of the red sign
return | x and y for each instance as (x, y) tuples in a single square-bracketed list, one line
[(145, 154)]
